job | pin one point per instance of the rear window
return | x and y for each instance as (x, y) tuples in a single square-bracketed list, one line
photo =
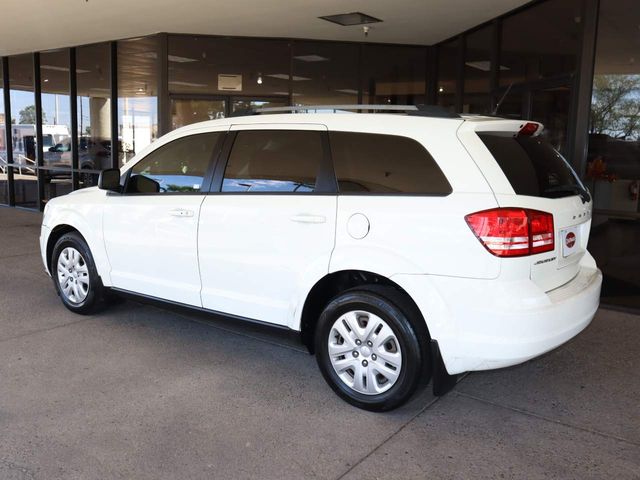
[(368, 163), (532, 165)]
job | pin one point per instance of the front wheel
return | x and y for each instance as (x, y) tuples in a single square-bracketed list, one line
[(368, 351), (74, 274)]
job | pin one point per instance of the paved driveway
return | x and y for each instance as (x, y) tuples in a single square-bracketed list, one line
[(146, 393)]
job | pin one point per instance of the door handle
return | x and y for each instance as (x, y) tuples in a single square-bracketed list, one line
[(181, 212), (304, 218)]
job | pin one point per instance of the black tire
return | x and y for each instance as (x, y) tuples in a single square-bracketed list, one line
[(394, 310), (93, 301)]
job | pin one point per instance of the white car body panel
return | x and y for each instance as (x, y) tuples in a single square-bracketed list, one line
[(247, 256), (254, 255), (152, 245)]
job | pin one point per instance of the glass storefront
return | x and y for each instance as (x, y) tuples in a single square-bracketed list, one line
[(613, 161), (213, 77), (324, 73), (137, 95), (393, 76), (56, 123), (477, 71), (23, 130), (541, 42), (447, 84), (93, 77)]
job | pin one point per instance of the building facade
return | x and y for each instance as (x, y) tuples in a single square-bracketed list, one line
[(574, 65)]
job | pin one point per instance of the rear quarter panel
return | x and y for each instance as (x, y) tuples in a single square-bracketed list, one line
[(417, 234)]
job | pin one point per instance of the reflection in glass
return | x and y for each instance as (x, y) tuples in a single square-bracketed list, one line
[(613, 168), (393, 75), (248, 104), (234, 66), (56, 109), (447, 73), (94, 109), (325, 73), (185, 111), (137, 95)]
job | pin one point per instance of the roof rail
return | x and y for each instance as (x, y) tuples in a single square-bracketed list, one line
[(416, 110), (299, 108)]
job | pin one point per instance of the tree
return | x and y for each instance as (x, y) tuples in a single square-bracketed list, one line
[(615, 106), (28, 115)]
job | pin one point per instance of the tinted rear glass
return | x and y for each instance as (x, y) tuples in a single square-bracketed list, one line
[(532, 166), (374, 163)]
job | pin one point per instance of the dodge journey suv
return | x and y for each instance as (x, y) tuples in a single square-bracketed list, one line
[(400, 246)]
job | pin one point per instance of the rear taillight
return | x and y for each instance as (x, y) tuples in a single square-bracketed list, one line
[(513, 232)]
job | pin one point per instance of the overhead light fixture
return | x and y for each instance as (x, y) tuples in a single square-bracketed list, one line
[(311, 58), (285, 76), (484, 65), (56, 68), (46, 80), (187, 84), (259, 81), (441, 89), (350, 19)]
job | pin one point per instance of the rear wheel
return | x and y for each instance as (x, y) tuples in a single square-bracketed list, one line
[(74, 274), (368, 350)]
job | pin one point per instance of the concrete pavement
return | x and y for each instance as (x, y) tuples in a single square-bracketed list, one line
[(143, 392)]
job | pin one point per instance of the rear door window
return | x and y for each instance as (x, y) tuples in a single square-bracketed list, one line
[(367, 163), (532, 165), (277, 161)]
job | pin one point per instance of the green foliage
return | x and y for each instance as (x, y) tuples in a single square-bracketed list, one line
[(28, 115)]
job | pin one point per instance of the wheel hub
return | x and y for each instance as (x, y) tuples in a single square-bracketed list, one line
[(365, 352), (73, 275)]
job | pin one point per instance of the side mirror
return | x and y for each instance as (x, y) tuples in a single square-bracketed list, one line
[(109, 180)]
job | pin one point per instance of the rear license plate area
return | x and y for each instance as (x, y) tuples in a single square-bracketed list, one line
[(570, 240)]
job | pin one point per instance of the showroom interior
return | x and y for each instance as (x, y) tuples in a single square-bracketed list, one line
[(67, 113)]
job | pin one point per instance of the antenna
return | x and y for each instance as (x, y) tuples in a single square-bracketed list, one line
[(495, 110)]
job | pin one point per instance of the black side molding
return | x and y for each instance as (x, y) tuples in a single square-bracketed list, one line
[(442, 381)]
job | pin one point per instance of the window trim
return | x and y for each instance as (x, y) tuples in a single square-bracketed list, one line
[(209, 171), (326, 183)]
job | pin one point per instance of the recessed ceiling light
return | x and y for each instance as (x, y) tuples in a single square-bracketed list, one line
[(349, 19)]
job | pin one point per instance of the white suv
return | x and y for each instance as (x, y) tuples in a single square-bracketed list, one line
[(400, 246)]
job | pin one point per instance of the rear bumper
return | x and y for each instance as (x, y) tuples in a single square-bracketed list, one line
[(488, 324)]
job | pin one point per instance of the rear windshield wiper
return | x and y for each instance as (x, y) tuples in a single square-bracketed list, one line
[(584, 194)]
